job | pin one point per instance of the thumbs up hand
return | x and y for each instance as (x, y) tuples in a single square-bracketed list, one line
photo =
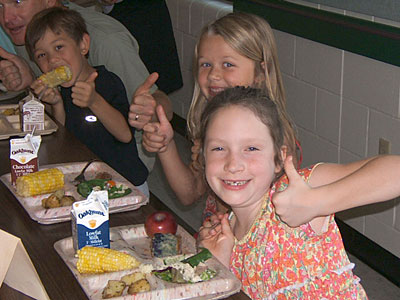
[(158, 135), (15, 72), (84, 93), (294, 205), (143, 104)]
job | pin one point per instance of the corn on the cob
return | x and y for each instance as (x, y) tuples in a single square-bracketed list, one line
[(41, 182), (100, 260), (56, 77)]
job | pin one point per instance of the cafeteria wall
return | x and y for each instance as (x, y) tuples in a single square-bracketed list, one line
[(341, 102)]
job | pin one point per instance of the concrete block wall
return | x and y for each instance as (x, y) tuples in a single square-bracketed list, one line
[(342, 103)]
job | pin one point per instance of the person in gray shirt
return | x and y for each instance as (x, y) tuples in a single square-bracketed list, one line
[(112, 45)]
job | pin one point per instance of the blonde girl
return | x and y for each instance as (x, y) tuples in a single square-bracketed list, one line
[(251, 37), (237, 49)]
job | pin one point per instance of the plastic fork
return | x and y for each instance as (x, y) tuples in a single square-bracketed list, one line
[(81, 177)]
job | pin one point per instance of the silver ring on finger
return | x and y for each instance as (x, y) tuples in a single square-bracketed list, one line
[(136, 117)]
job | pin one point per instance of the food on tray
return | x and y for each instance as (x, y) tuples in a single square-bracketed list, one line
[(136, 283), (133, 277), (188, 270), (41, 182), (114, 190), (11, 111), (114, 288), (100, 260), (57, 199), (165, 244), (103, 175), (160, 222), (56, 77), (139, 286), (67, 200)]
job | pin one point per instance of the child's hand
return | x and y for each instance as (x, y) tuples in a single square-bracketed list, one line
[(84, 93), (195, 164), (293, 205), (221, 244), (211, 226), (50, 95), (143, 104), (157, 136)]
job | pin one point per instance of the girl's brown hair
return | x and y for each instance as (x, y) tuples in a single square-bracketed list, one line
[(255, 100), (252, 37), (57, 19)]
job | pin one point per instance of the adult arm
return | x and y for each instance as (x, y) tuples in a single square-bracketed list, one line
[(334, 187)]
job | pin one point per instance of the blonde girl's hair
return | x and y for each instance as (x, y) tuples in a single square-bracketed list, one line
[(252, 37)]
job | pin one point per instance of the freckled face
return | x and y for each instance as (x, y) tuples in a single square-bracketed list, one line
[(15, 16), (221, 67), (239, 157), (54, 50)]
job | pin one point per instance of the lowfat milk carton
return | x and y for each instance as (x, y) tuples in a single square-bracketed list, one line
[(89, 221)]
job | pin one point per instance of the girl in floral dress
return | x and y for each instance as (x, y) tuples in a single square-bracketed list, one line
[(244, 151)]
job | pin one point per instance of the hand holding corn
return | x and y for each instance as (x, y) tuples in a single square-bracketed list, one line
[(56, 77), (100, 260)]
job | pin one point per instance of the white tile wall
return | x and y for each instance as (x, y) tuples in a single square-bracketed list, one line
[(188, 18), (341, 102), (319, 65), (354, 134)]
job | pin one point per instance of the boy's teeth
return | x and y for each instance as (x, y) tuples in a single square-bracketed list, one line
[(235, 183)]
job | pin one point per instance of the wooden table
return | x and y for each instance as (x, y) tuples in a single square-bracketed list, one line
[(59, 147)]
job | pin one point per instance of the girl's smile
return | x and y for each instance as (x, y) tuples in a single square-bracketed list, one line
[(221, 67), (239, 156)]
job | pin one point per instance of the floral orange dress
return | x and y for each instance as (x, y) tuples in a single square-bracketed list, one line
[(274, 261)]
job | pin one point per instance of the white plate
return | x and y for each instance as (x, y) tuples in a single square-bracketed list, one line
[(33, 205), (133, 240)]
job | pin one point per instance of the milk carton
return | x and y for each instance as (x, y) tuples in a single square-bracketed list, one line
[(24, 156), (89, 221), (32, 113)]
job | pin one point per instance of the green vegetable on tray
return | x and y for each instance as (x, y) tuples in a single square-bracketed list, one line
[(114, 191), (202, 256), (171, 274)]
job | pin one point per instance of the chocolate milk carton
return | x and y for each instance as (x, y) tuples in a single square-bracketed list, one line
[(24, 156), (89, 220), (32, 113)]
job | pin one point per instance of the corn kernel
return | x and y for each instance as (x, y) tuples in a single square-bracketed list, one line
[(56, 77), (41, 182), (100, 260)]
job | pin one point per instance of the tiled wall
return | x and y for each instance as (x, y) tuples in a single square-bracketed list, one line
[(188, 18), (342, 103)]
